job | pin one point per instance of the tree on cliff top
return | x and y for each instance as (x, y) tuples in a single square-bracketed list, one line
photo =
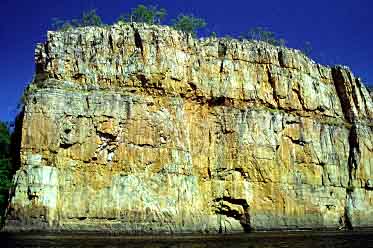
[(88, 18), (263, 34), (144, 14), (188, 24)]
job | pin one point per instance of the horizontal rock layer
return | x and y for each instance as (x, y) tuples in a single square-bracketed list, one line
[(136, 128)]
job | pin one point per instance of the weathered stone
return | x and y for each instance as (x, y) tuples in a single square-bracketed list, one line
[(138, 128)]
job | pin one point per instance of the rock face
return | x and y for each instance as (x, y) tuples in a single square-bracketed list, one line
[(136, 128)]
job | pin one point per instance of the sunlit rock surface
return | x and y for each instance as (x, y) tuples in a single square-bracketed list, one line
[(134, 128)]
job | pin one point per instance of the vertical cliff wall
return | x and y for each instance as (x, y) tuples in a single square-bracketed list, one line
[(139, 128)]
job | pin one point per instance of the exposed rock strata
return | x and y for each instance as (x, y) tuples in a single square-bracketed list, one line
[(143, 129)]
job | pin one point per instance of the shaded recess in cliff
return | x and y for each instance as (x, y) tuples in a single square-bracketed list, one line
[(357, 111)]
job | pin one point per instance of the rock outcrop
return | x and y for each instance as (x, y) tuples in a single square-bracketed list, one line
[(136, 128)]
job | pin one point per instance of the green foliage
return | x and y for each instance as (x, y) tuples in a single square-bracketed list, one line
[(4, 140), (122, 18), (151, 14), (88, 18), (144, 14), (263, 34), (188, 24), (61, 25), (5, 165)]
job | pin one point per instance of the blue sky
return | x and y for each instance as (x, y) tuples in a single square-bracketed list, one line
[(340, 31)]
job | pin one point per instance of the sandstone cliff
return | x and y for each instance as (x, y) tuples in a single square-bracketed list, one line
[(138, 128)]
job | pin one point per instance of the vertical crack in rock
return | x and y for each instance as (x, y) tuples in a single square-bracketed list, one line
[(129, 109), (156, 42), (353, 163), (221, 66), (87, 102), (138, 41), (272, 82), (222, 53), (111, 43), (46, 56), (282, 59), (345, 88), (354, 153), (344, 92)]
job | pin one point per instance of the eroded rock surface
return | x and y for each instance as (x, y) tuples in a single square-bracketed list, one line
[(136, 128)]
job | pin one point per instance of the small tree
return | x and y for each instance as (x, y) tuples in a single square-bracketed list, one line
[(88, 18), (263, 34), (61, 25), (188, 23), (144, 14)]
